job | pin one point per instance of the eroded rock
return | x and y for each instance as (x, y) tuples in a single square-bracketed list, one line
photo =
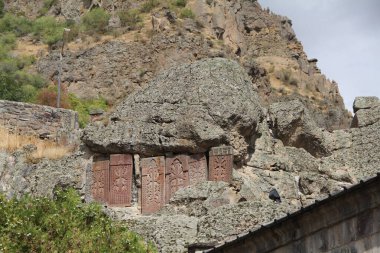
[(187, 109)]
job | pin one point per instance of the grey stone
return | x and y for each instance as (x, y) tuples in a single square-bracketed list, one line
[(365, 103), (293, 125), (189, 108), (366, 117)]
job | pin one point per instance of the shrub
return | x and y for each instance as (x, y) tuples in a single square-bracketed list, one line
[(47, 5), (48, 96), (180, 3), (62, 224), (48, 30), (17, 85), (130, 18), (83, 107), (149, 5), (187, 13), (1, 8), (19, 25), (7, 41), (96, 21)]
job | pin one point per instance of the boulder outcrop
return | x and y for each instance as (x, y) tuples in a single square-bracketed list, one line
[(187, 109)]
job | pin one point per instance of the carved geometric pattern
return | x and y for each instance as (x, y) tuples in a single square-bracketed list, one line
[(100, 181), (220, 167), (197, 168), (152, 190), (121, 175), (177, 174)]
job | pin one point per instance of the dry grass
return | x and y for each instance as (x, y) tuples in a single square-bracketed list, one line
[(35, 147)]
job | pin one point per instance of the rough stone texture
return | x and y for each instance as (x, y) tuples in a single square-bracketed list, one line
[(171, 234), (262, 42), (60, 125), (365, 103), (17, 177), (293, 125), (189, 108), (366, 117)]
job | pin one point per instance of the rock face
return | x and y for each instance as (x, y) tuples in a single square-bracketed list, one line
[(187, 109), (19, 177), (299, 173), (262, 42)]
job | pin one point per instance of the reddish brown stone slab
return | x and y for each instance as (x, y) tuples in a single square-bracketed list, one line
[(121, 159), (121, 175), (100, 181), (176, 175), (197, 168), (153, 180), (221, 164)]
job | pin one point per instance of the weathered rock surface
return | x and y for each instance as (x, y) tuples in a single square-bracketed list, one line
[(293, 125), (187, 109), (365, 103), (19, 177), (221, 210), (262, 42)]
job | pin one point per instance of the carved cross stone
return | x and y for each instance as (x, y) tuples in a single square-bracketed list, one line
[(152, 192), (221, 164), (177, 174)]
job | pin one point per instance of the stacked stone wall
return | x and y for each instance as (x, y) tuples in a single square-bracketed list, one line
[(48, 122)]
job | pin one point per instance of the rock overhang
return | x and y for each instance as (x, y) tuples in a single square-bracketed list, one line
[(188, 108)]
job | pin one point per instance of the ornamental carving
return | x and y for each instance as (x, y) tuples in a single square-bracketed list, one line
[(177, 174), (121, 175), (100, 181), (221, 164), (197, 168), (152, 191)]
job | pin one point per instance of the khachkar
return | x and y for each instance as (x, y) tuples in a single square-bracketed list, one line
[(152, 189), (121, 173), (221, 164), (176, 175), (197, 168), (100, 181)]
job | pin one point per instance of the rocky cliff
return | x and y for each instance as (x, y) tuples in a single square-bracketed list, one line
[(262, 42)]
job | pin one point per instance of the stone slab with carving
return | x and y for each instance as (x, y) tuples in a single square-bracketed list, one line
[(121, 178), (153, 180), (221, 164), (176, 175)]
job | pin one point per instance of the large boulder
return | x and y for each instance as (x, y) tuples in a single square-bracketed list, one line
[(294, 126), (186, 109)]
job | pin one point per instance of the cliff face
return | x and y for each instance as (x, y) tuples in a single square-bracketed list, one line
[(262, 42)]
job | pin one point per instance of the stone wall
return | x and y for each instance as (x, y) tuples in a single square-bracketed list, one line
[(346, 223), (42, 121)]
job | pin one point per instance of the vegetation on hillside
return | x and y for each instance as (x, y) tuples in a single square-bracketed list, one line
[(62, 224), (18, 83)]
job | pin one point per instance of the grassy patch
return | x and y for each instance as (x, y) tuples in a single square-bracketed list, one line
[(186, 13), (44, 148), (130, 18), (149, 5), (83, 107)]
